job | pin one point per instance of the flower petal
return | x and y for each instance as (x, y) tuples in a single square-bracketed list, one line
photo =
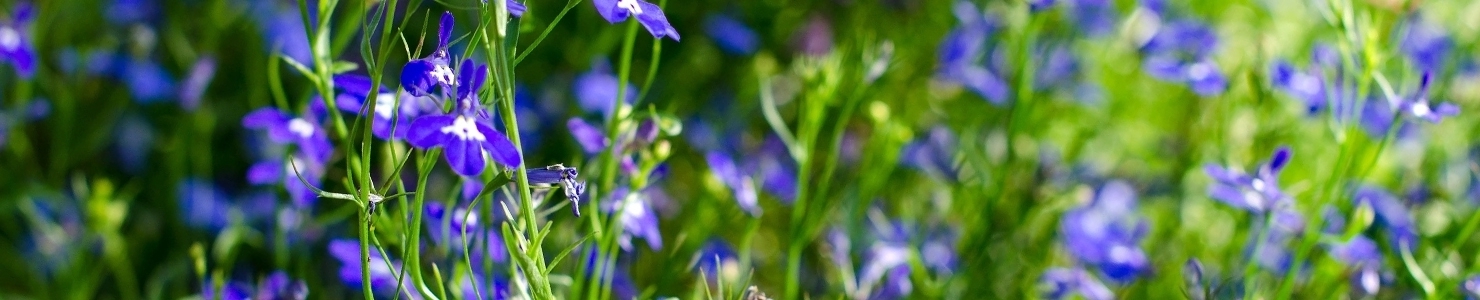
[(444, 31), (499, 146), (426, 131), (516, 9), (652, 17), (416, 77), (592, 140), (609, 11), (473, 78), (465, 157)]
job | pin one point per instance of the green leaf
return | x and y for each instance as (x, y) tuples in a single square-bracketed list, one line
[(341, 67), (305, 71)]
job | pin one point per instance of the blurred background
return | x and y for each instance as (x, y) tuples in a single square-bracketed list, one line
[(1100, 149)]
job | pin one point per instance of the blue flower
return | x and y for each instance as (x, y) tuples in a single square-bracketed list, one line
[(1182, 52), (741, 185), (1471, 287), (565, 178), (382, 274), (310, 160), (197, 82), (718, 261), (590, 138), (963, 50), (636, 216), (1041, 5), (1107, 233), (465, 133), (282, 28), (387, 113), (1391, 215), (1427, 45), (731, 35), (1061, 283), (420, 76), (936, 155), (1094, 17), (1418, 106), (1258, 193), (1361, 254), (15, 41), (650, 15), (203, 205), (596, 90)]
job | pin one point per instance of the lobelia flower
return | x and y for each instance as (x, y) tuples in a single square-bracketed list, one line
[(1471, 287), (1391, 215), (1182, 52), (1106, 233), (197, 82), (515, 8), (1311, 85), (1361, 253), (565, 178), (777, 171), (963, 50), (1061, 283), (596, 90), (636, 216), (884, 261), (15, 41), (420, 76), (465, 134), (935, 155), (1418, 107), (718, 262), (309, 161), (203, 205), (1259, 193), (387, 113), (741, 185), (1272, 253), (382, 275), (731, 35), (650, 15), (282, 28), (1094, 17), (1425, 44), (1038, 6)]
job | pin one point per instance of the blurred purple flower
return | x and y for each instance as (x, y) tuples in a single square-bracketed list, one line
[(718, 261), (636, 216), (382, 274), (1094, 17), (197, 82), (962, 52), (387, 113), (590, 138), (134, 140), (282, 27), (1041, 5), (125, 12), (1259, 193), (1107, 233), (1061, 283), (650, 15), (775, 168), (229, 290), (1392, 215), (815, 38), (936, 155), (741, 185), (465, 133), (1471, 287), (596, 90), (286, 129), (1418, 107), (147, 81), (1426, 44), (15, 41), (731, 35), (1182, 52), (204, 206)]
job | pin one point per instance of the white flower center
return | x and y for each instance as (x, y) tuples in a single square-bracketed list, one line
[(464, 129), (301, 127), (1121, 254), (444, 75), (9, 38), (1258, 184), (1199, 71), (630, 5), (385, 105), (1306, 84), (1421, 109)]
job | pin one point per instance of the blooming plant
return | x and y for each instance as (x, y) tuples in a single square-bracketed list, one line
[(810, 149)]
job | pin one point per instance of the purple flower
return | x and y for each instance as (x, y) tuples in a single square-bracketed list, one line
[(1471, 287), (718, 261), (731, 35), (962, 52), (15, 41), (387, 113), (773, 165), (636, 216), (1258, 193), (203, 205), (590, 138), (420, 76), (563, 177), (124, 12), (1182, 52), (1391, 215), (1307, 86), (650, 15), (230, 290), (515, 8), (279, 286), (935, 155), (197, 82), (282, 27), (1094, 17), (1061, 283), (465, 133), (1107, 233), (1362, 254), (1426, 44), (1418, 107), (742, 187), (147, 81), (382, 275), (1041, 5), (135, 139), (596, 90), (313, 153)]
